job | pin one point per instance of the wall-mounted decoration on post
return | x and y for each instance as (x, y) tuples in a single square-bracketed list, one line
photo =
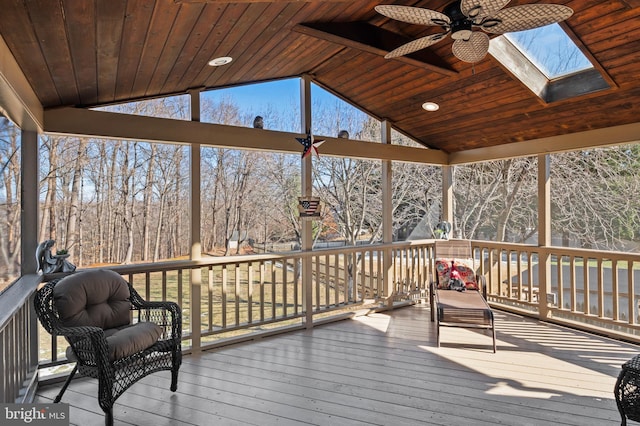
[(309, 207), (310, 144)]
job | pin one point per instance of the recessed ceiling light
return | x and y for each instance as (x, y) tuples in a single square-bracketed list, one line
[(224, 60), (430, 106)]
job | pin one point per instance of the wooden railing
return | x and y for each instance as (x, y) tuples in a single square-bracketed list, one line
[(244, 296), (18, 341), (593, 290), (239, 298)]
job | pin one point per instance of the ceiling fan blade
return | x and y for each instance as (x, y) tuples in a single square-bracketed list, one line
[(415, 45), (472, 50), (413, 15), (528, 16), (479, 8)]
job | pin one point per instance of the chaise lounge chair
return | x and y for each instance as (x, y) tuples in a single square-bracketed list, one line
[(467, 306)]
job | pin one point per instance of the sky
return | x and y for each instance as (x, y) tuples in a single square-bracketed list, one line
[(551, 49), (279, 93), (260, 96), (283, 96)]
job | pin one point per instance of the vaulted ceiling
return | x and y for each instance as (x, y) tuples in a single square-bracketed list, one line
[(93, 52)]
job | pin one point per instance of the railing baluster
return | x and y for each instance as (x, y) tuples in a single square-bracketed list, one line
[(600, 278), (250, 293), (492, 278), (164, 285), (560, 260), (615, 293), (273, 289), (180, 298), (237, 293), (327, 281), (224, 283), (586, 286), (380, 274), (285, 300), (337, 282), (262, 298), (573, 278), (633, 319), (300, 290), (316, 272), (348, 281), (360, 272), (395, 267), (147, 286), (210, 291)]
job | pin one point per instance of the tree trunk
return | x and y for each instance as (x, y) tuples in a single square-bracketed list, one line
[(72, 219), (48, 227), (148, 198)]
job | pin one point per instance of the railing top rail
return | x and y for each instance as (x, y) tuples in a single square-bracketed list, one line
[(232, 260), (565, 251)]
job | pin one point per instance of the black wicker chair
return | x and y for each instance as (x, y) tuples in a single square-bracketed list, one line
[(114, 335), (627, 390)]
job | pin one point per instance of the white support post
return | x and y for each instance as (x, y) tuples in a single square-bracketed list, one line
[(195, 277), (29, 227), (29, 199), (544, 232), (387, 217), (306, 191), (447, 195)]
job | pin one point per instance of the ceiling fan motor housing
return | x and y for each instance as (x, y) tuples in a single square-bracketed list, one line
[(460, 23)]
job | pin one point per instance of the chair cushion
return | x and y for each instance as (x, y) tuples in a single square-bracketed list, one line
[(127, 340), (98, 298), (131, 339), (465, 270)]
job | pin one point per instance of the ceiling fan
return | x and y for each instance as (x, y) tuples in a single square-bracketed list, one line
[(461, 17)]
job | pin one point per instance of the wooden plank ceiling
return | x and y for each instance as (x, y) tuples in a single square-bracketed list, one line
[(85, 53)]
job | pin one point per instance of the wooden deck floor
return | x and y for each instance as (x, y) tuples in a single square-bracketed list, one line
[(381, 369)]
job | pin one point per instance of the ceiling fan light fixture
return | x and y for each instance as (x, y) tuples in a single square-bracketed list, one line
[(430, 106), (223, 60), (461, 30)]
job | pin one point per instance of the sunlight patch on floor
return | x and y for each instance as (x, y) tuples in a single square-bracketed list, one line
[(377, 321), (520, 373)]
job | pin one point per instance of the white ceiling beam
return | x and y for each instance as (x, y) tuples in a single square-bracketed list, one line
[(18, 101), (617, 135), (100, 124)]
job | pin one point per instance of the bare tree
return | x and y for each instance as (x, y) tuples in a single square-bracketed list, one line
[(148, 202), (493, 197), (72, 231), (10, 195), (591, 200)]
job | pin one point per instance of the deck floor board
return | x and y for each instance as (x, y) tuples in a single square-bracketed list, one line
[(381, 369)]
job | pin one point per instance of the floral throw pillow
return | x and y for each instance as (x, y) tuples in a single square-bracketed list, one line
[(465, 272)]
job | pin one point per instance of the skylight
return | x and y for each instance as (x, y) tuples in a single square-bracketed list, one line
[(551, 50), (549, 63)]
